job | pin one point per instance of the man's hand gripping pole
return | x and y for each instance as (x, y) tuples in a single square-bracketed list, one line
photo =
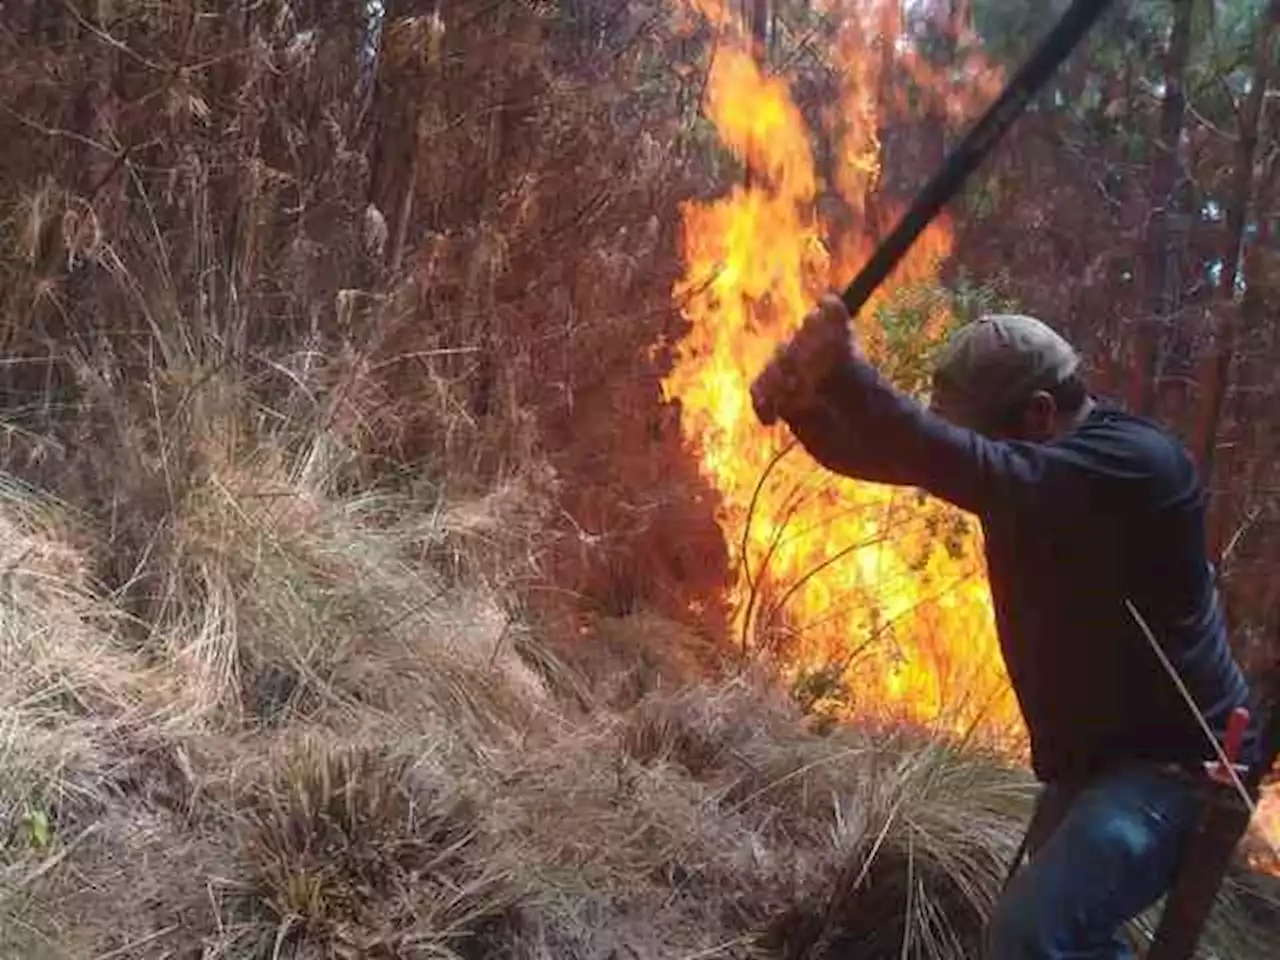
[(785, 380)]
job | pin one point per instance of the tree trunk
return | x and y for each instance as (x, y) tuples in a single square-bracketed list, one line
[(760, 29), (1249, 462), (1165, 239), (1216, 367), (759, 17)]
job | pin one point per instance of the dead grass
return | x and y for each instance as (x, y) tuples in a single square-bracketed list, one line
[(440, 801), (423, 790), (125, 749), (351, 852)]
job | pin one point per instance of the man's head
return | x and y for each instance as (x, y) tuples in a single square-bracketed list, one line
[(1009, 376)]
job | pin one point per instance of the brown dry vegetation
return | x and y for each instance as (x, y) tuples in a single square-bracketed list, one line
[(345, 755), (322, 393)]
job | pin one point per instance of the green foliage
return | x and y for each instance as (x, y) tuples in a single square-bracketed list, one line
[(907, 343), (983, 199), (823, 690), (916, 321), (35, 830), (951, 528)]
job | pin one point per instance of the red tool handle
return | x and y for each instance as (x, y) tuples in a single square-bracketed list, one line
[(1236, 727)]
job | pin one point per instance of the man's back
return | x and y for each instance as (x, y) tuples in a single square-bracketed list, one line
[(1122, 519), (1076, 528)]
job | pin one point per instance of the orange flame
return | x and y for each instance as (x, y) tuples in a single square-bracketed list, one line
[(876, 590), (1263, 851)]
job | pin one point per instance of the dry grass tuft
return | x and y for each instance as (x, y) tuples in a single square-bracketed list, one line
[(717, 813), (688, 729), (353, 853), (921, 848), (625, 659)]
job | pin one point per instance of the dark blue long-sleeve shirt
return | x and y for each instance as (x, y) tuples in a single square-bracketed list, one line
[(1112, 511)]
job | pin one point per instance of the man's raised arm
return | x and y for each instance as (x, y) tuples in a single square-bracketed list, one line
[(857, 424)]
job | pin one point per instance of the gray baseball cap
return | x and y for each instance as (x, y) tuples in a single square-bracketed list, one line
[(991, 365)]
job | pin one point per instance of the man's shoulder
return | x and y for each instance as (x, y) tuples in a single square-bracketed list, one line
[(1127, 445), (1112, 422)]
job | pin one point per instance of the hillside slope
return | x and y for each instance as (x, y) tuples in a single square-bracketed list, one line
[(336, 738)]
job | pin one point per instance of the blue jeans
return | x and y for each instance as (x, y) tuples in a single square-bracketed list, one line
[(1113, 855)]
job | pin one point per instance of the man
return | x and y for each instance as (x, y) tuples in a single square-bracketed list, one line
[(1085, 510)]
